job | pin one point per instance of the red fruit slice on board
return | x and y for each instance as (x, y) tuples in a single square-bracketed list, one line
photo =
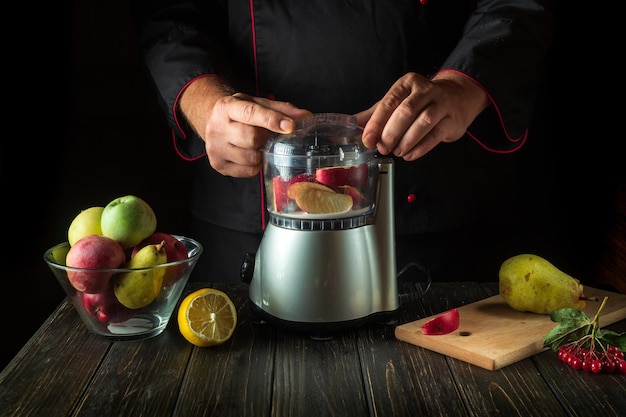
[(442, 324)]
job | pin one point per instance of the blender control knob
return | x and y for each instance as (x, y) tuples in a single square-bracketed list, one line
[(247, 268)]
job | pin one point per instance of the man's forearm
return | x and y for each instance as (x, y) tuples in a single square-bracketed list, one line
[(197, 101)]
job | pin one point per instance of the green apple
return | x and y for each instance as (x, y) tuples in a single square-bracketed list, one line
[(128, 220), (87, 222)]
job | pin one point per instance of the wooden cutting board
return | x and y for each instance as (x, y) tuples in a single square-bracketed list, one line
[(493, 335)]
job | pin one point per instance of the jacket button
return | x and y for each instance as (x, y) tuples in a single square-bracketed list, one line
[(411, 198)]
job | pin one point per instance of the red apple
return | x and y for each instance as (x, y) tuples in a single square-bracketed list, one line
[(93, 252), (106, 308), (352, 175), (174, 251), (442, 324)]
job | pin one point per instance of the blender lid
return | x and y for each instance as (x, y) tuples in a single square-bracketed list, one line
[(334, 137)]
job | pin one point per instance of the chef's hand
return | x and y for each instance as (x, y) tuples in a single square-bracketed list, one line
[(417, 114), (235, 126)]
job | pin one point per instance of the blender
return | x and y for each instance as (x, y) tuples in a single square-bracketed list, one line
[(326, 261)]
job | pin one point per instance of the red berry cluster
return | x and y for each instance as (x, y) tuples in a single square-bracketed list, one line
[(608, 360)]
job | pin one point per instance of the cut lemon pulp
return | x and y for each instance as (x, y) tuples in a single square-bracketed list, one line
[(207, 317)]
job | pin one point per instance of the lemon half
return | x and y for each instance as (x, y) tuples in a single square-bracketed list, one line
[(207, 317)]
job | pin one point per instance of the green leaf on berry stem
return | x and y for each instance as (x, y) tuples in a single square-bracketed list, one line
[(576, 327), (612, 338), (565, 333), (569, 315)]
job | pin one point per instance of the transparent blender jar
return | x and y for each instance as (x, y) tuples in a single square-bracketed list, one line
[(320, 171)]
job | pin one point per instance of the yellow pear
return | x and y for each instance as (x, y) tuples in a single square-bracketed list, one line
[(531, 283), (137, 289)]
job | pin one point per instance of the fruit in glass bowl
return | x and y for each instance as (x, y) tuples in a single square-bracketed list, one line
[(102, 315), (92, 258), (174, 251), (105, 307), (128, 220)]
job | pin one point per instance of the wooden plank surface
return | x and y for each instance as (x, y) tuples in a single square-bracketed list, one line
[(493, 335), (408, 382), (234, 378), (268, 371), (68, 354), (481, 392)]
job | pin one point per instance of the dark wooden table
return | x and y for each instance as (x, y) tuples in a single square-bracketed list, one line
[(268, 371)]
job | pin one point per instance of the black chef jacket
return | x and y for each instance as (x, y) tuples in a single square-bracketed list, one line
[(341, 57)]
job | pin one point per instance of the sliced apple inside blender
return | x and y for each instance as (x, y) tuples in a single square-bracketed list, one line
[(358, 199), (315, 198), (279, 193), (280, 187), (337, 176)]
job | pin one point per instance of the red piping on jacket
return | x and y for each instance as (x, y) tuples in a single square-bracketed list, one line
[(180, 129), (253, 32), (256, 79), (519, 141), (184, 136)]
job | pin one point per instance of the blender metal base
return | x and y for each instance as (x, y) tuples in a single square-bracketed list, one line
[(324, 276), (324, 280)]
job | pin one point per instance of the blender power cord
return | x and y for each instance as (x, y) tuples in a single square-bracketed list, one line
[(426, 271)]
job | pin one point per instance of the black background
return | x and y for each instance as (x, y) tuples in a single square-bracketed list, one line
[(83, 128)]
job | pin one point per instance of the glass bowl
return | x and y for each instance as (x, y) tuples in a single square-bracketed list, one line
[(105, 316)]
